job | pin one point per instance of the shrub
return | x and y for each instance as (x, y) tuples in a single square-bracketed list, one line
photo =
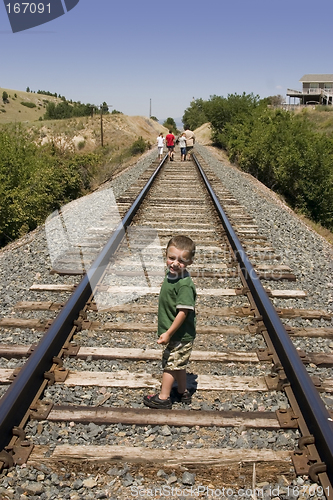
[(138, 146), (34, 181), (29, 104)]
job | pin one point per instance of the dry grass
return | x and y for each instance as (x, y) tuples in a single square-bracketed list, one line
[(203, 134), (321, 117)]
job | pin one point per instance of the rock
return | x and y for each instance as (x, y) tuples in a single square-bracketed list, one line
[(90, 482), (77, 484), (33, 488), (113, 472), (165, 431), (128, 479), (188, 478)]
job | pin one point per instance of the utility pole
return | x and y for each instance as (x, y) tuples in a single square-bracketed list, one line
[(150, 109), (102, 125), (103, 107)]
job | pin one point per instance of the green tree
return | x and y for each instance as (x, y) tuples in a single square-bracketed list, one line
[(50, 113), (4, 96), (170, 124), (233, 109), (274, 100), (195, 115), (105, 108)]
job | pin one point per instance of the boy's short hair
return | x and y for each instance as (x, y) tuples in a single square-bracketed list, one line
[(183, 243)]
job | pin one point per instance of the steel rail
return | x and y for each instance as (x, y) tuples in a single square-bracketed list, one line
[(16, 401), (313, 409)]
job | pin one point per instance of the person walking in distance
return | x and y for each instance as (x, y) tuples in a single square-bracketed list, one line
[(170, 143), (182, 145), (176, 322), (190, 141), (160, 145)]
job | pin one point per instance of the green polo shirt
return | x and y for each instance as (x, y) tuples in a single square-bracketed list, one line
[(177, 294)]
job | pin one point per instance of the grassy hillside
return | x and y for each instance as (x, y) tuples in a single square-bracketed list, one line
[(75, 134), (15, 111)]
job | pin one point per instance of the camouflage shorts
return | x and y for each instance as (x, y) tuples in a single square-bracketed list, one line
[(176, 355)]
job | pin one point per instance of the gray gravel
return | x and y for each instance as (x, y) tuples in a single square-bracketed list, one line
[(127, 481)]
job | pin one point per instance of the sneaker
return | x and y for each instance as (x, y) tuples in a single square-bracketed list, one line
[(153, 401), (185, 397)]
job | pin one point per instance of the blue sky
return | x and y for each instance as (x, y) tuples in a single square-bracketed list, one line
[(128, 52)]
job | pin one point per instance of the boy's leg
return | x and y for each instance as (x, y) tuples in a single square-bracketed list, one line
[(168, 379), (180, 376)]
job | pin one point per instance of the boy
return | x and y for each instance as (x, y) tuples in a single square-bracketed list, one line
[(176, 322)]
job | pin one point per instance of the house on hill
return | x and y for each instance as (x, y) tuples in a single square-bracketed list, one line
[(316, 89)]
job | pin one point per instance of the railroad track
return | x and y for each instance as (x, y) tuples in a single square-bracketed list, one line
[(79, 395)]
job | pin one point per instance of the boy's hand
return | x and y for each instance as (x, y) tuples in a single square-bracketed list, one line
[(177, 322), (164, 338)]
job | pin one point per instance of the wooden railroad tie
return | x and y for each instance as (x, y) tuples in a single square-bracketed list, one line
[(81, 352), (139, 380)]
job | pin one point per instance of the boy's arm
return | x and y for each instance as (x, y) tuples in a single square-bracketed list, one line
[(177, 322)]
